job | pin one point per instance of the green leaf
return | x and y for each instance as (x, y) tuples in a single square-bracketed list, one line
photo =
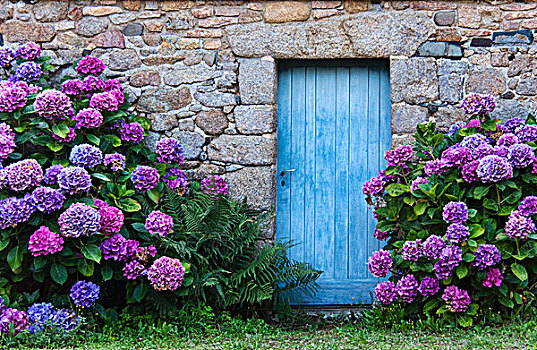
[(490, 204), (154, 195), (130, 205), (58, 273), (397, 189), (54, 146), (4, 243), (91, 252), (60, 130), (519, 271), (107, 272), (506, 302), (93, 139), (462, 271), (39, 262), (468, 257), (472, 309), (513, 197), (138, 226), (481, 191), (140, 292), (85, 267), (472, 213), (101, 177), (464, 321), (476, 231), (419, 208), (14, 259)]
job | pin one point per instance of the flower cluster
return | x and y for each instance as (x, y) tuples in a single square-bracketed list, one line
[(115, 161), (449, 259), (84, 293), (79, 220), (73, 180), (53, 104), (88, 118), (7, 141), (104, 101), (144, 178), (478, 104), (158, 223), (493, 277), (166, 274), (214, 185), (399, 156), (112, 219), (486, 255), (14, 210), (519, 225), (45, 242), (90, 65), (457, 233), (169, 150), (45, 315), (429, 286), (175, 179), (457, 300), (407, 288), (380, 263), (455, 212), (23, 175), (86, 156), (412, 250), (48, 200), (132, 132), (13, 318), (12, 97), (386, 292)]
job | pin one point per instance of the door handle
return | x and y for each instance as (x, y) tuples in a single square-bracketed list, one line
[(287, 171)]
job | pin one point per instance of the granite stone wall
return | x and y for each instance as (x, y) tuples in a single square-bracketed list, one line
[(205, 71)]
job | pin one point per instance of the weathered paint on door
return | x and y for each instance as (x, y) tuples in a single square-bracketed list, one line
[(333, 127)]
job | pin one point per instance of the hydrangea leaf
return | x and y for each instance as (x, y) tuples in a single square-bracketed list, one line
[(91, 252), (58, 273), (519, 271)]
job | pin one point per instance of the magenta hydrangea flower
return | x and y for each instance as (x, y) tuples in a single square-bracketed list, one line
[(7, 141), (457, 233), (72, 87), (469, 171), (158, 223), (455, 212), (512, 124), (519, 226), (132, 132), (493, 277), (457, 300), (436, 166), (132, 248), (115, 161), (6, 57), (90, 65), (133, 269), (53, 104), (88, 118), (175, 179), (407, 288), (86, 156), (24, 175), (84, 293), (482, 150), (386, 293), (449, 259), (528, 206), (521, 155), (457, 156), (379, 263), (527, 133), (71, 135), (118, 95), (79, 220), (433, 246), (48, 200), (74, 180), (169, 150), (412, 250), (399, 156), (478, 104), (12, 98), (91, 84), (414, 185), (28, 51), (429, 286), (114, 248), (15, 210), (45, 242), (508, 140), (474, 123), (381, 236), (144, 178), (486, 255), (166, 274), (104, 101), (214, 185), (374, 186), (18, 319), (501, 151), (112, 220)]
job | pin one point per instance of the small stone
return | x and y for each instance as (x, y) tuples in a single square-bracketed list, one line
[(212, 122), (132, 5), (355, 6), (202, 12), (188, 75), (255, 119), (209, 58), (149, 14), (227, 11), (527, 86), (217, 22), (75, 13), (469, 17), (192, 142), (514, 37), (133, 29), (145, 77), (174, 5), (481, 42), (99, 11), (256, 184), (520, 64), (530, 23), (405, 117), (152, 39), (250, 16), (325, 4), (440, 49), (189, 44), (186, 125), (212, 44), (180, 21), (123, 60), (318, 14), (447, 34), (286, 11), (445, 18), (163, 99), (215, 99), (400, 5), (64, 25), (192, 58), (51, 11), (517, 7), (153, 26), (90, 26), (122, 18), (508, 95), (486, 81), (111, 38), (241, 149), (257, 83), (204, 33), (163, 121), (499, 59), (16, 31)]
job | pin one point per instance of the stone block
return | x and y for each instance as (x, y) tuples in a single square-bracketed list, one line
[(99, 11), (16, 31), (527, 86), (133, 29), (254, 119), (513, 37), (192, 142), (520, 64), (163, 121), (216, 99), (123, 60), (414, 80), (447, 116), (286, 11), (450, 87), (257, 81), (180, 21), (508, 108), (445, 18), (452, 67), (481, 42), (145, 77), (212, 122), (163, 99), (486, 81), (406, 117), (51, 11), (256, 184), (325, 4), (90, 26), (469, 16), (241, 149), (202, 12), (111, 38), (180, 74), (440, 49)]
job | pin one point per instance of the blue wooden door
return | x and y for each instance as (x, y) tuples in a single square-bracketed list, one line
[(333, 127)]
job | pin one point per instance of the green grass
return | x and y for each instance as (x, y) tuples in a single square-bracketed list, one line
[(517, 336)]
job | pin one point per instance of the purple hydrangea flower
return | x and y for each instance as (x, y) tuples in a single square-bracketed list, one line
[(457, 156), (144, 252), (469, 171), (132, 248), (501, 151), (374, 186), (133, 269), (79, 220), (84, 293), (24, 175), (66, 320), (6, 57), (436, 166), (48, 200), (521, 155), (114, 248), (478, 104), (104, 101), (111, 220), (473, 141), (90, 65), (28, 51), (88, 118), (450, 258), (399, 156), (429, 286), (386, 293), (118, 95), (493, 277), (7, 141), (512, 124), (494, 168), (28, 71), (115, 161), (456, 127), (381, 236), (455, 212), (12, 98), (486, 255), (528, 206), (175, 179), (508, 140), (412, 250), (45, 242), (71, 135), (457, 233), (519, 226), (17, 318), (73, 87), (86, 156), (482, 150), (407, 288), (52, 104), (166, 274), (169, 150), (527, 133), (132, 132), (414, 185), (457, 300), (74, 180), (474, 123), (214, 185), (40, 316), (159, 223), (379, 263), (15, 210), (144, 178), (91, 84), (433, 246)]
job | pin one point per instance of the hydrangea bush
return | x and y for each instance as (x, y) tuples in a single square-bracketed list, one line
[(457, 212)]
